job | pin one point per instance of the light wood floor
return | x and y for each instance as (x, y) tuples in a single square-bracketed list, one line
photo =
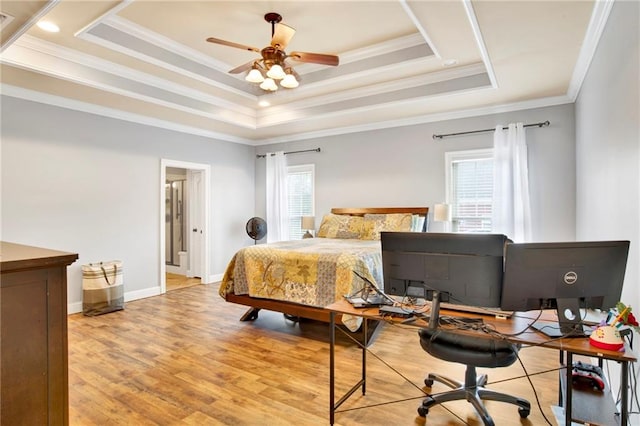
[(183, 358), (176, 281)]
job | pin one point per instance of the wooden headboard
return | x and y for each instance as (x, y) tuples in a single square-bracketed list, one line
[(421, 211)]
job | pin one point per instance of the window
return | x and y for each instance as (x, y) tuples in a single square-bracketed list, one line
[(300, 182), (469, 181)]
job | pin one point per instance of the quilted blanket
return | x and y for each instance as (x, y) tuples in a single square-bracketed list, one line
[(313, 271)]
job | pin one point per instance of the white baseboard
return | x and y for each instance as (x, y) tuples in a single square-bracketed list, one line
[(215, 278), (76, 307)]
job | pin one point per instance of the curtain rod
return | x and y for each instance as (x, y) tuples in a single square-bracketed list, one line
[(290, 152), (541, 124)]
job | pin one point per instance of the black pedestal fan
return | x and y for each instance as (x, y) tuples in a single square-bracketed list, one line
[(256, 228)]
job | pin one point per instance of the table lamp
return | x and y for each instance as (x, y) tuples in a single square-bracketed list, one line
[(308, 223), (442, 213)]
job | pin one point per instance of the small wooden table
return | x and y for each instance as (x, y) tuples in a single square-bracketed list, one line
[(512, 326)]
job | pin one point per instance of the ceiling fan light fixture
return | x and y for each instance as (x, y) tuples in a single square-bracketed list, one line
[(269, 85), (276, 72), (289, 82), (254, 76)]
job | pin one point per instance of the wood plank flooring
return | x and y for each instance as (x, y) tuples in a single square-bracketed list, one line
[(177, 281), (183, 358)]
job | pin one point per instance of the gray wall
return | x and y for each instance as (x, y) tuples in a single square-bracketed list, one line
[(405, 167), (608, 142), (88, 184)]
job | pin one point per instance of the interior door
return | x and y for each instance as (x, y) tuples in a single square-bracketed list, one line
[(196, 221)]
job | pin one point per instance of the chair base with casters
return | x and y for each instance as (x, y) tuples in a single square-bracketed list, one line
[(473, 352)]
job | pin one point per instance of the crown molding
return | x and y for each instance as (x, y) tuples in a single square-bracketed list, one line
[(597, 23), (30, 23), (429, 118), (59, 101)]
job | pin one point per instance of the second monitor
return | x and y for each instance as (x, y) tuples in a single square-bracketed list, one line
[(466, 267)]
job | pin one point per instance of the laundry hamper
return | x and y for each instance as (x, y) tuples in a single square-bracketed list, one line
[(102, 288)]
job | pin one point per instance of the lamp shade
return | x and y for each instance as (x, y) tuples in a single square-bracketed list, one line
[(308, 222), (254, 76), (269, 84), (289, 81), (276, 72), (442, 213)]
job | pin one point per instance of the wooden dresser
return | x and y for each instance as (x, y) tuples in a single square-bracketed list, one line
[(34, 384)]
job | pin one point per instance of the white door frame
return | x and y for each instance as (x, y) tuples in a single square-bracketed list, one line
[(206, 197)]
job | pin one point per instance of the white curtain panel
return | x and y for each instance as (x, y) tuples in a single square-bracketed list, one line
[(511, 205), (277, 198)]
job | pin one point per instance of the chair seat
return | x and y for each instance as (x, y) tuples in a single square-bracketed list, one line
[(473, 351), (467, 349)]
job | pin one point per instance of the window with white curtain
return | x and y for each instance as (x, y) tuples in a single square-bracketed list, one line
[(300, 182), (469, 182)]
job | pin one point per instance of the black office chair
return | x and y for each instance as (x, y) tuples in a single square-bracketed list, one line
[(474, 352)]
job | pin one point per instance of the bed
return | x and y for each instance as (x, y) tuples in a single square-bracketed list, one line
[(300, 277)]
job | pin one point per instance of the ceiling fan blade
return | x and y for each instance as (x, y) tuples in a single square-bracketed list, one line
[(232, 44), (243, 67), (282, 36), (316, 58)]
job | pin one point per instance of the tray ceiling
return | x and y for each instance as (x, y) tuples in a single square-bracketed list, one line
[(401, 62)]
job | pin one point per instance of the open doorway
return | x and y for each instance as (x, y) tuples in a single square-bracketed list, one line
[(184, 230)]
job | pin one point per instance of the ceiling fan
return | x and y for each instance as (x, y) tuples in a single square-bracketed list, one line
[(273, 64)]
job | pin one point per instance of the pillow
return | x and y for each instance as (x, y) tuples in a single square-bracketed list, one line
[(340, 226), (376, 223), (417, 223)]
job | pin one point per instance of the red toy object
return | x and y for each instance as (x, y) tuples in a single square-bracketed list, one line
[(606, 337), (587, 374)]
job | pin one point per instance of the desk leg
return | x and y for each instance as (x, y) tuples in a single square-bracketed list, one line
[(624, 383), (332, 378), (365, 323), (568, 390)]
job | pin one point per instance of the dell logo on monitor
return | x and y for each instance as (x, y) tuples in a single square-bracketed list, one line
[(570, 277)]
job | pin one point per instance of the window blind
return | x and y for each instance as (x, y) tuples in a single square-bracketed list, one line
[(300, 187), (471, 191)]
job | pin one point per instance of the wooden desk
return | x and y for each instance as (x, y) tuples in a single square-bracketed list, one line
[(511, 326), (33, 329)]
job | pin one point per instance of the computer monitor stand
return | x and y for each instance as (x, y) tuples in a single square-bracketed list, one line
[(569, 321)]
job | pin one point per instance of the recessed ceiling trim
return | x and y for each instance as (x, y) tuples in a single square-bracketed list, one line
[(5, 18), (377, 101), (222, 81), (379, 49), (410, 82), (30, 23), (419, 27), (77, 59), (423, 119), (477, 33), (156, 39), (139, 88), (72, 104)]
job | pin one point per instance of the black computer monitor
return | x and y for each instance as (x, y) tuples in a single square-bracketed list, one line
[(466, 267), (566, 276)]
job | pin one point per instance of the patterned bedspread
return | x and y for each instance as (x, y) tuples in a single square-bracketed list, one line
[(314, 271)]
